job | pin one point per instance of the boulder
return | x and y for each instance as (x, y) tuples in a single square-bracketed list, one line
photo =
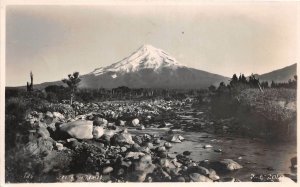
[(138, 139), (121, 139), (168, 145), (174, 138), (134, 155), (135, 122), (198, 169), (43, 132), (164, 163), (121, 123), (98, 132), (48, 115), (100, 122), (196, 177), (142, 127), (141, 168), (58, 115), (213, 175), (109, 133), (186, 153), (59, 146), (79, 129), (107, 170), (39, 147), (226, 165)]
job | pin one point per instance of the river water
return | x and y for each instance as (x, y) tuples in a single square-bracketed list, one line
[(256, 156)]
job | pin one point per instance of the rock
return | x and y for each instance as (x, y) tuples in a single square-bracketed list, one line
[(39, 147), (100, 122), (107, 170), (109, 133), (196, 177), (71, 140), (142, 127), (218, 150), (226, 165), (105, 138), (228, 179), (174, 138), (79, 129), (198, 169), (111, 126), (162, 154), (58, 115), (168, 145), (135, 122), (164, 163), (180, 179), (121, 123), (98, 132), (181, 138), (120, 172), (186, 153), (123, 149), (138, 140), (59, 146), (161, 149), (156, 141), (43, 132), (141, 168), (148, 144), (48, 115), (134, 155), (136, 148), (207, 146), (213, 175), (121, 139)]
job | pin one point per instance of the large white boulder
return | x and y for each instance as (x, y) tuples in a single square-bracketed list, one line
[(80, 129)]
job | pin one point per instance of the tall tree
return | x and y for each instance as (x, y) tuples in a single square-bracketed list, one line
[(72, 81)]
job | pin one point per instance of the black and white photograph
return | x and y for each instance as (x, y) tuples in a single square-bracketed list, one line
[(147, 92)]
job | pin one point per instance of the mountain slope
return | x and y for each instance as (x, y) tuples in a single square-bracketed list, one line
[(280, 75), (149, 67)]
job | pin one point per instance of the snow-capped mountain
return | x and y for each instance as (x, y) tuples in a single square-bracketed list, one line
[(149, 67), (146, 57)]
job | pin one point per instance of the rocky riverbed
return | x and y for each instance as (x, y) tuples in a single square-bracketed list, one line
[(158, 141)]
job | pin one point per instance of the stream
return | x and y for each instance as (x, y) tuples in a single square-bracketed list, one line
[(255, 155)]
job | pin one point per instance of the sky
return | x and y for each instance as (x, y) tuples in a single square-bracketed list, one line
[(222, 38)]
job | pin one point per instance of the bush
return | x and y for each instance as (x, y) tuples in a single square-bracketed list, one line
[(270, 114)]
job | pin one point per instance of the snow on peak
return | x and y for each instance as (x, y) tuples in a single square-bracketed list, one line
[(146, 56)]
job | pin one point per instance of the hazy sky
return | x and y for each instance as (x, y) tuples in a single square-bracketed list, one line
[(54, 41)]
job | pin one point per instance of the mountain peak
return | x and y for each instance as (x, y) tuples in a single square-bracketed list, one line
[(145, 57)]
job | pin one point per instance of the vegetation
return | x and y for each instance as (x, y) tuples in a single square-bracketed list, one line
[(30, 86), (260, 109), (72, 82)]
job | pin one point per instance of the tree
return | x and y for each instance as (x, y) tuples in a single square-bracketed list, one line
[(72, 82)]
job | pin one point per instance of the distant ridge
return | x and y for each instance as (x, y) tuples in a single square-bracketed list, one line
[(280, 75)]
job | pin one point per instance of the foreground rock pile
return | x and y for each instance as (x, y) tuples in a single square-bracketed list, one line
[(95, 146)]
